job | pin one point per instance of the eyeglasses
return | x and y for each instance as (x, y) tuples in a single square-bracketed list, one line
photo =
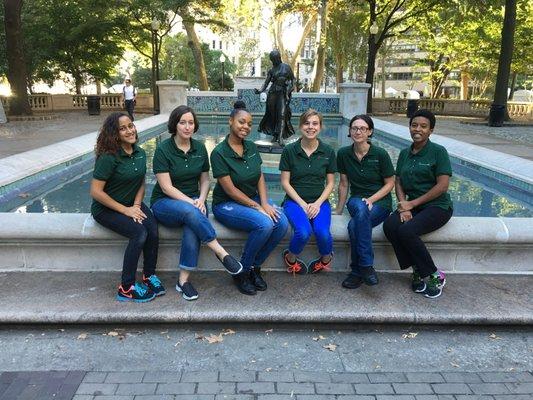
[(362, 129)]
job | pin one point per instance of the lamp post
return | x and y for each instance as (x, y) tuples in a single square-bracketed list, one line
[(155, 63), (222, 59)]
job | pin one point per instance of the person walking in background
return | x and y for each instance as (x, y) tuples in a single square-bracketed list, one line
[(117, 189), (240, 199), (367, 170), (181, 166), (129, 96), (424, 205), (308, 169)]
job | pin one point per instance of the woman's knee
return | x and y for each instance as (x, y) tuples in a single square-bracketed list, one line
[(302, 234), (357, 208), (390, 225)]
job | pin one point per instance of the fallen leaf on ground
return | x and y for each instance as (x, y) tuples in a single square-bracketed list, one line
[(268, 369), (112, 333), (319, 337), (228, 332), (410, 335), (494, 336), (177, 344), (269, 331), (197, 336), (454, 365), (164, 332), (330, 347), (214, 338), (82, 336)]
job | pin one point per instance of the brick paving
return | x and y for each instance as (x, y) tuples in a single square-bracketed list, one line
[(265, 385)]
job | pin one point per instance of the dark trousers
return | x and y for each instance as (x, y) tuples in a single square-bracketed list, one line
[(129, 105), (142, 238), (405, 237)]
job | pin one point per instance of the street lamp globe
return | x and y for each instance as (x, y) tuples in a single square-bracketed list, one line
[(374, 28), (222, 58)]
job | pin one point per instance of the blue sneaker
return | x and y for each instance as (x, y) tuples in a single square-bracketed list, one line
[(154, 284), (137, 293)]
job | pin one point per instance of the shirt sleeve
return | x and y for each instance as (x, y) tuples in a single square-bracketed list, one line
[(443, 166), (284, 164), (219, 165), (332, 166), (205, 166), (385, 165), (399, 163), (104, 167), (160, 163)]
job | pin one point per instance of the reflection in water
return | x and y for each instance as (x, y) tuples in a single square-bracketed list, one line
[(469, 199)]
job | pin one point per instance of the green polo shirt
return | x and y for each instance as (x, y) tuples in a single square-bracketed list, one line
[(367, 176), (184, 168), (244, 171), (418, 172), (308, 174), (123, 175)]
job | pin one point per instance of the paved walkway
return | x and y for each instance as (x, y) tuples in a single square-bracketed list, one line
[(514, 140), (19, 136), (265, 385)]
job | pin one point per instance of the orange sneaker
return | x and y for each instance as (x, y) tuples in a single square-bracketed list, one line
[(318, 265), (296, 267)]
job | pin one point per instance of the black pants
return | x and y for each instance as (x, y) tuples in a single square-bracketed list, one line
[(143, 238), (405, 237), (129, 105)]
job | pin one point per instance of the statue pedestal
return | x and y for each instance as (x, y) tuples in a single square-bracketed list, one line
[(266, 146)]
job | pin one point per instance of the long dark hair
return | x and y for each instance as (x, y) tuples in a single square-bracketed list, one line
[(108, 140), (176, 115)]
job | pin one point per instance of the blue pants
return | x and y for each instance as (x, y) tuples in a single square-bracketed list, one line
[(360, 232), (303, 227), (263, 233), (196, 227), (142, 238)]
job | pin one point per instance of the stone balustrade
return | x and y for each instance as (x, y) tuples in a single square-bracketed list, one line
[(463, 108)]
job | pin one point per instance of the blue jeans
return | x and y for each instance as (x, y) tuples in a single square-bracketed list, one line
[(360, 232), (303, 227), (263, 233), (196, 227), (142, 238)]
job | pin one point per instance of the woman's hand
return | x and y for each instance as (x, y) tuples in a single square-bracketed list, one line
[(135, 213), (199, 204), (405, 216), (271, 211), (313, 209), (368, 203), (405, 205)]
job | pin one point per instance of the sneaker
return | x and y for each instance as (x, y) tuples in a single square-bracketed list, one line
[(187, 290), (417, 283), (231, 264), (369, 276), (244, 283), (352, 282), (317, 265), (296, 267), (137, 293), (154, 284), (434, 285), (257, 279)]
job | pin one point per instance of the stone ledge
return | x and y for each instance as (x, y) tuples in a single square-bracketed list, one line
[(71, 241)]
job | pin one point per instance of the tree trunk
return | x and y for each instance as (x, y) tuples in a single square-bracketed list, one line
[(499, 105), (307, 29), (320, 55), (465, 79), (196, 48), (340, 71), (383, 76), (370, 70), (98, 86), (513, 84), (16, 66)]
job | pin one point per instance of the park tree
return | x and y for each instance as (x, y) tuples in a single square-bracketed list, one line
[(16, 66)]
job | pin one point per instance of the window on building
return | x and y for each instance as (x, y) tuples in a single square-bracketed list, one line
[(220, 44)]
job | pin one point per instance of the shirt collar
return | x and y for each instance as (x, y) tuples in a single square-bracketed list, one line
[(320, 149), (422, 152), (229, 152), (193, 149), (122, 153)]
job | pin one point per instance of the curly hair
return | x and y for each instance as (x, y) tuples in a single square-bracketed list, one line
[(108, 140)]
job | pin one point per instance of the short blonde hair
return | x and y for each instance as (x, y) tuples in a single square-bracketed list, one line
[(308, 114)]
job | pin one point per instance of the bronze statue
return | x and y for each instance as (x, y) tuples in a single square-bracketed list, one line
[(277, 119)]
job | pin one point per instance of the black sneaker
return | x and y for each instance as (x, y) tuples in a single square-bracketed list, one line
[(257, 279), (352, 282), (296, 267), (231, 264), (369, 276), (244, 283), (188, 292), (417, 283), (138, 293), (155, 285), (434, 285)]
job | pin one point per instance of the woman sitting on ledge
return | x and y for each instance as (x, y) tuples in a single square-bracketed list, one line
[(368, 170), (422, 177), (181, 166), (240, 199), (117, 190)]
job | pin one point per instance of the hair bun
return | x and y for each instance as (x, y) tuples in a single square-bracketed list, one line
[(239, 105)]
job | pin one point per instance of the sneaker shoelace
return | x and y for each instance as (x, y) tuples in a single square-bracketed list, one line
[(155, 281), (319, 266), (140, 289), (293, 267)]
